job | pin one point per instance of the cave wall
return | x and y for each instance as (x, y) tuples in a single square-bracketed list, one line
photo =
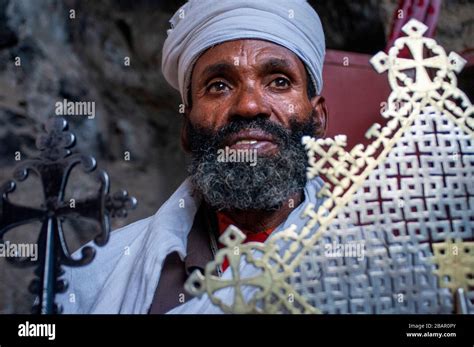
[(83, 59)]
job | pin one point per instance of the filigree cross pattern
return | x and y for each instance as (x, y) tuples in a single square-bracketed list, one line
[(403, 200)]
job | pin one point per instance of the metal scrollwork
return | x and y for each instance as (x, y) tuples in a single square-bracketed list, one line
[(53, 166)]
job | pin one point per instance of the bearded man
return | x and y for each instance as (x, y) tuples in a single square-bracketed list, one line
[(250, 76)]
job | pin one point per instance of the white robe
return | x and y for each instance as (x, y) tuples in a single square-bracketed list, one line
[(124, 274)]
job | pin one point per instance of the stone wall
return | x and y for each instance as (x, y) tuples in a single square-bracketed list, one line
[(82, 59)]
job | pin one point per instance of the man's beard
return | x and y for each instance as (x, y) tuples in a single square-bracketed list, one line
[(238, 185)]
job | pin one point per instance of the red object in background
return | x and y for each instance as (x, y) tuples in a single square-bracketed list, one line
[(468, 54), (225, 221), (354, 94), (425, 11)]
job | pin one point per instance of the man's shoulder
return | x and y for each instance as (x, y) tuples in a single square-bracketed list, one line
[(120, 241), (86, 281), (130, 231)]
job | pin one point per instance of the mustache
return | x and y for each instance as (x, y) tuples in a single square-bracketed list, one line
[(202, 139), (237, 185)]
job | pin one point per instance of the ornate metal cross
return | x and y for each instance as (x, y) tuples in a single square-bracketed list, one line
[(53, 167), (406, 197)]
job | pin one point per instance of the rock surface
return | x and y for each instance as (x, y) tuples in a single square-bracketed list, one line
[(84, 59)]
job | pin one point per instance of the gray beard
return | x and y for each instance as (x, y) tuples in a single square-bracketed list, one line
[(238, 185)]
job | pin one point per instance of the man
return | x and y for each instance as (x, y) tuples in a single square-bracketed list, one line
[(250, 76)]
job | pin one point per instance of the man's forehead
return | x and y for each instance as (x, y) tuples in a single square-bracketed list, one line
[(247, 52)]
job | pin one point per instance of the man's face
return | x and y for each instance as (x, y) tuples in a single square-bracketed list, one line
[(250, 95), (247, 78)]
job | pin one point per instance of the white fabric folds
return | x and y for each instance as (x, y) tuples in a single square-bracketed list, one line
[(125, 272)]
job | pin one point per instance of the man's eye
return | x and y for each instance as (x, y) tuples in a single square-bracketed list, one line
[(280, 82), (217, 87)]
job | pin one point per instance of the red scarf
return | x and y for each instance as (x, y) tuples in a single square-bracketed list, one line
[(224, 221)]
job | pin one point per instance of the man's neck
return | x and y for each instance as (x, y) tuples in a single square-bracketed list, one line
[(254, 221)]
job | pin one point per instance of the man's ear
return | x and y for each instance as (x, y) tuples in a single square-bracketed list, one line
[(321, 113), (184, 131)]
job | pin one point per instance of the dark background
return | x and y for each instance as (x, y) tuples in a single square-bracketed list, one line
[(82, 59)]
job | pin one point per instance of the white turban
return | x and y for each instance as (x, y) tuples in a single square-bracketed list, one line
[(201, 24)]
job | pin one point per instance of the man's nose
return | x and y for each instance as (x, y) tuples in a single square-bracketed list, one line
[(250, 103)]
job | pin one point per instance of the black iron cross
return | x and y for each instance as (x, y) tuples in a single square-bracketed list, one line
[(53, 167)]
